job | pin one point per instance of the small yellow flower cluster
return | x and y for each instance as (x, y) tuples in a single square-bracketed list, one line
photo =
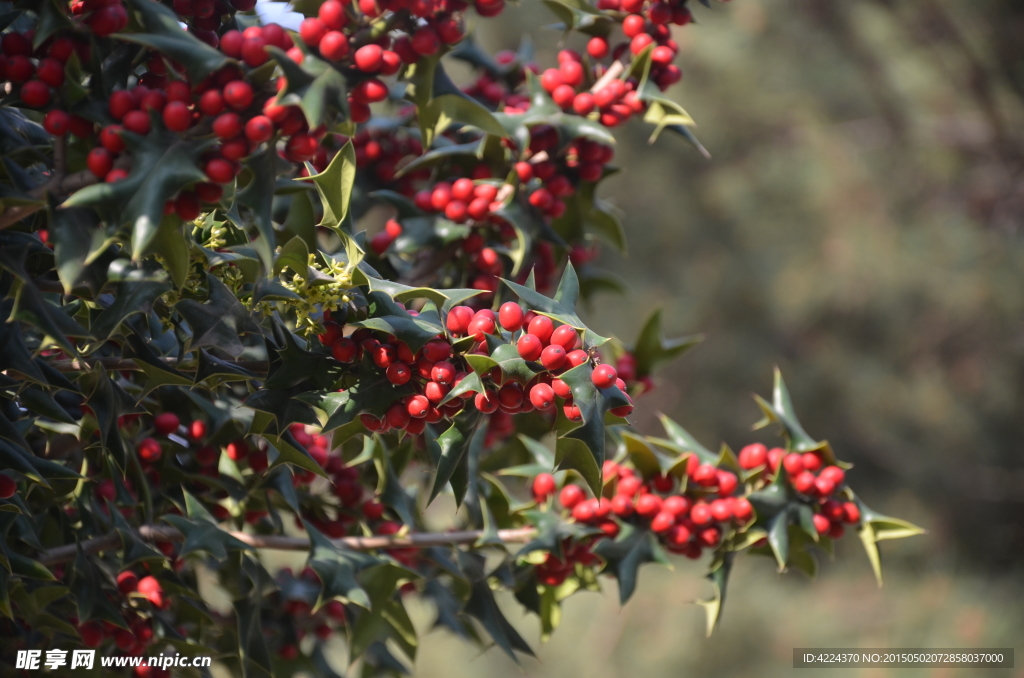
[(316, 294)]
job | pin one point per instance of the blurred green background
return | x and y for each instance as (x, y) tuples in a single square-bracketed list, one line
[(858, 225)]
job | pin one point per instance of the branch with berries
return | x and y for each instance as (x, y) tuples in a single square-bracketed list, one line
[(274, 289)]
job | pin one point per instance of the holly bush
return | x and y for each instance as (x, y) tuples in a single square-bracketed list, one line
[(275, 290)]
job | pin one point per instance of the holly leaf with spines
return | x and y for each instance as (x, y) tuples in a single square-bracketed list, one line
[(590, 434), (201, 531), (624, 556), (293, 364), (315, 86), (875, 527), (372, 393), (165, 34), (482, 606), (552, 532), (334, 186), (681, 440), (719, 578), (781, 411), (450, 447), (78, 240), (130, 297), (387, 316), (581, 17), (30, 306), (505, 357), (471, 383), (652, 349), (337, 568), (562, 307), (163, 164), (219, 320)]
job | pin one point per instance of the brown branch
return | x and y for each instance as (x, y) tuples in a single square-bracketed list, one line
[(281, 543)]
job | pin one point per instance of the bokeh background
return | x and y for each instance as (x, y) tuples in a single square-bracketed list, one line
[(858, 225)]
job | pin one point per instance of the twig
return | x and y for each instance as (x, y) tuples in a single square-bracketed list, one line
[(281, 543), (614, 71)]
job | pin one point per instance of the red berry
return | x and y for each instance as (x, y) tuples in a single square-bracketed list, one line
[(177, 117), (57, 122), (542, 396), (137, 122), (149, 450), (166, 422), (51, 72), (604, 376), (369, 58), (793, 463), (552, 357), (458, 319), (742, 509), (227, 125), (219, 170), (425, 41), (821, 523), (705, 475), (804, 482), (187, 206), (543, 486), (332, 14), (120, 103), (700, 514), (597, 47), (443, 372), (258, 129), (238, 94), (662, 522), (254, 52), (633, 25), (648, 505), (418, 406), (398, 373), (35, 94), (7, 486), (571, 496), (334, 46), (851, 512), (99, 162), (211, 102), (541, 327), (127, 582), (312, 31), (486, 402), (753, 455)]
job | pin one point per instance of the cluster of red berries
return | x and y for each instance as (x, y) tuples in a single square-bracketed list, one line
[(136, 635), (647, 24), (554, 570), (203, 18), (291, 609), (809, 475), (36, 72), (686, 522)]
